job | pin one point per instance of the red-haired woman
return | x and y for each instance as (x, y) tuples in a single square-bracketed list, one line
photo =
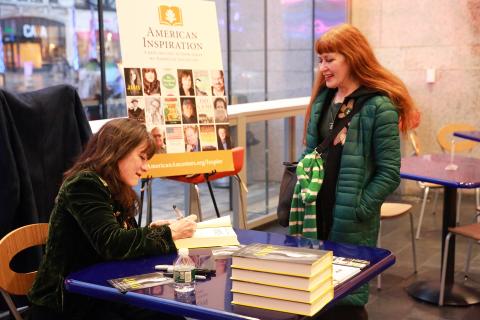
[(362, 164)]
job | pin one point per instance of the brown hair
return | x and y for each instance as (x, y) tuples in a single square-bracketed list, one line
[(114, 141), (365, 68)]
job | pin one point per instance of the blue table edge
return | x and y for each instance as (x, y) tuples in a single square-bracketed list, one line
[(176, 307)]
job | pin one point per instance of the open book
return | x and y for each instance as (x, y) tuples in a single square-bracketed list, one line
[(211, 233)]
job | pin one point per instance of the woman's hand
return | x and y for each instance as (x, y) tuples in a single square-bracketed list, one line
[(183, 228), (159, 223)]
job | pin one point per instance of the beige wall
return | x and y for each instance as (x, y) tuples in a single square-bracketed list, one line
[(411, 36)]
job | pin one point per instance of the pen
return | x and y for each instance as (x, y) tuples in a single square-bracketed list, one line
[(197, 276), (169, 269), (178, 212)]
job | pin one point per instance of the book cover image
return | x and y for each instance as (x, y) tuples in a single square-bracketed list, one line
[(141, 281), (168, 82), (133, 81), (202, 82), (174, 139), (171, 110), (204, 110), (281, 253), (208, 140), (351, 262)]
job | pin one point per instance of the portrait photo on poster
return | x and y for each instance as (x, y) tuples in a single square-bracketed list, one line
[(158, 135), (218, 83), (220, 110), (154, 116), (151, 84), (136, 108), (185, 82), (189, 110), (192, 141), (223, 137)]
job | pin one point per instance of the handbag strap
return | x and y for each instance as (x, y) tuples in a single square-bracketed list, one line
[(358, 102)]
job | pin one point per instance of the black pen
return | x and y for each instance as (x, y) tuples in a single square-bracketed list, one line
[(178, 212)]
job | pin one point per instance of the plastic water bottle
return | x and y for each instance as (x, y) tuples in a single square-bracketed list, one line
[(184, 272)]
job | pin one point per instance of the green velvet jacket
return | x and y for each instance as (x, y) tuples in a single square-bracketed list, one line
[(369, 172), (87, 227)]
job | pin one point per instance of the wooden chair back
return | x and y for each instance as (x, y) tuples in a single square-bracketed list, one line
[(445, 136), (14, 242)]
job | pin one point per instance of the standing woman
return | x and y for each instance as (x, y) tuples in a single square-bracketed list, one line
[(93, 221), (362, 163)]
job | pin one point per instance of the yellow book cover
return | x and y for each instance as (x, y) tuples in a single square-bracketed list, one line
[(294, 261), (307, 309), (211, 233), (283, 280), (268, 291)]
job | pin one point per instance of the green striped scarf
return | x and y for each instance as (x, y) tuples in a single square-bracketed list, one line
[(303, 212)]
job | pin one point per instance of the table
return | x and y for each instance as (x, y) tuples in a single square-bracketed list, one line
[(431, 168), (213, 297), (470, 135)]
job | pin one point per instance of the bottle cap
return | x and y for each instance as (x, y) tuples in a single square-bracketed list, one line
[(183, 251)]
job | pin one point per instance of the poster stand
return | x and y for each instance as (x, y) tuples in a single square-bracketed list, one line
[(174, 84)]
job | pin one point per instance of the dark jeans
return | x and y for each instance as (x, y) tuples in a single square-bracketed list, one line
[(107, 310), (344, 313)]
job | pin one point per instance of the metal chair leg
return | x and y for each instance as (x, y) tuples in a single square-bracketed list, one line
[(469, 256), (11, 305), (435, 201), (422, 211), (444, 270), (379, 242), (459, 202), (414, 250)]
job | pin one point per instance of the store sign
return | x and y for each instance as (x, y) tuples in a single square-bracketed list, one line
[(175, 84), (34, 31)]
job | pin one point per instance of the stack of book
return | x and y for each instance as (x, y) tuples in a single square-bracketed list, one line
[(287, 279)]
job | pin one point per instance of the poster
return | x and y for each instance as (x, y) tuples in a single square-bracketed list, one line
[(174, 83)]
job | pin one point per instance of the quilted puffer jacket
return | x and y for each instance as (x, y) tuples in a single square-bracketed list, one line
[(369, 172)]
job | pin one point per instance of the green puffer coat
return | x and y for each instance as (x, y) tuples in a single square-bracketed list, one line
[(369, 172)]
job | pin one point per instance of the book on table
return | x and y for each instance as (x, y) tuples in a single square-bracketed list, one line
[(293, 261), (287, 279), (140, 281), (307, 309), (346, 268), (211, 233)]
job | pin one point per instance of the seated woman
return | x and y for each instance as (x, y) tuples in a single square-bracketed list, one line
[(93, 221)]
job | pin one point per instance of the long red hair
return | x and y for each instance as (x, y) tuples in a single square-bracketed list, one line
[(365, 68)]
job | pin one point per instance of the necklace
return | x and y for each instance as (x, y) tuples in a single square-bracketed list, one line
[(333, 114)]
